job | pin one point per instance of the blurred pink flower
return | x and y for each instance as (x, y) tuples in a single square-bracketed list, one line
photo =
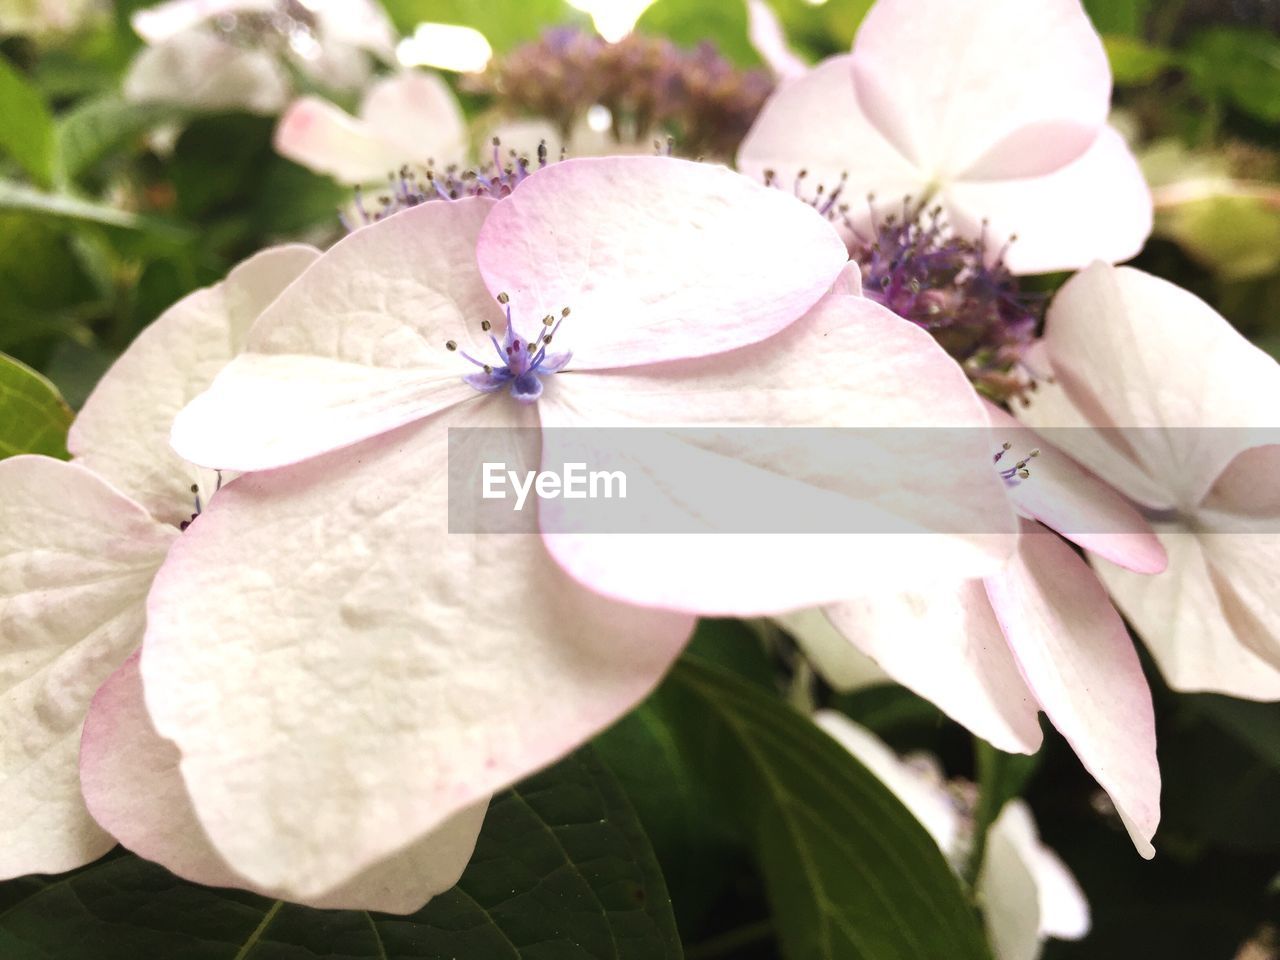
[(995, 110)]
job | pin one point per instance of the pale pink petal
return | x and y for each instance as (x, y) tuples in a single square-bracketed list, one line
[(928, 801), (849, 281), (356, 347), (411, 118), (950, 82), (767, 35), (1103, 451), (417, 111), (1064, 496), (1132, 350), (122, 432), (872, 506), (164, 20), (1095, 207), (1007, 888), (1064, 909), (342, 675), (942, 641), (134, 790), (836, 660), (76, 560), (657, 258), (324, 138), (1078, 660), (814, 124), (197, 69), (1184, 622)]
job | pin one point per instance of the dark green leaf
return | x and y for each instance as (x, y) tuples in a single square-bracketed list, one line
[(103, 124), (690, 22), (1118, 16), (850, 873), (26, 130), (1134, 61), (504, 23), (562, 871), (33, 417), (1239, 66)]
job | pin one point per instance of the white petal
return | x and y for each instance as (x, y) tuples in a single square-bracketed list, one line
[(122, 433), (341, 674), (658, 258), (1180, 616), (1007, 887), (962, 85), (928, 801), (1079, 662), (134, 790), (920, 502), (942, 641), (76, 560), (837, 661), (197, 69), (814, 124), (1097, 207), (356, 347), (164, 20)]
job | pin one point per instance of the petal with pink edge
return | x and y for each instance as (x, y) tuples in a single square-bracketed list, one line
[(873, 506), (1097, 207), (410, 118), (1077, 658), (942, 641), (356, 347), (134, 790), (1132, 350), (412, 672), (949, 82), (657, 258), (1183, 620), (122, 432), (76, 560), (814, 124), (1064, 496)]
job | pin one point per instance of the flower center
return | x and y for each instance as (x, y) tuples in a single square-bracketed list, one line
[(202, 502), (522, 362), (1015, 474)]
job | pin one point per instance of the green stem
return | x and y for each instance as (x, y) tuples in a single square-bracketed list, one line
[(987, 761)]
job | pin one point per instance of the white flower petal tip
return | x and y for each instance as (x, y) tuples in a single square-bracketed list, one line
[(134, 789)]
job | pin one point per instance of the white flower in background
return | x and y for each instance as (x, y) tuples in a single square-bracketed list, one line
[(39, 17), (1026, 892), (243, 54)]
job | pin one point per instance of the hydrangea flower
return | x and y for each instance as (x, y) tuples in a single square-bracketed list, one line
[(1189, 409), (80, 544), (409, 118), (326, 655), (994, 110), (1039, 634), (238, 54), (1026, 892)]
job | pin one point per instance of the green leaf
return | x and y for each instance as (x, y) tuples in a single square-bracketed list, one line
[(18, 196), (33, 417), (1001, 777), (504, 23), (1239, 66), (97, 126), (690, 22), (851, 874), (27, 128), (562, 871), (1134, 61), (1118, 16)]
